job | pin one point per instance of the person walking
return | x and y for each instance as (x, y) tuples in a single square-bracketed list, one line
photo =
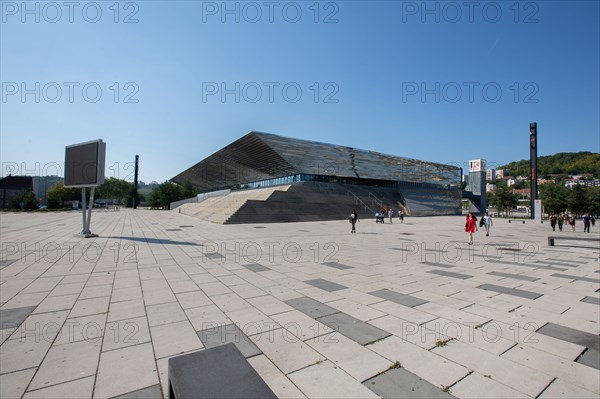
[(353, 220), (487, 223), (390, 214), (572, 222), (586, 222), (553, 221), (471, 226), (561, 220), (401, 216)]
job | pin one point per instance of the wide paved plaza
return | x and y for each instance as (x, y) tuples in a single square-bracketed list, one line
[(396, 310)]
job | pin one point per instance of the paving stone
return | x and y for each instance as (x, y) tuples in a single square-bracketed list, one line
[(124, 333), (326, 285), (398, 298), (324, 380), (225, 374), (590, 357), (430, 366), (476, 386), (125, 370), (12, 318), (165, 313), (285, 352), (400, 383), (355, 359), (450, 274), (175, 338), (152, 392), (578, 278), (269, 305), (574, 373), (126, 310), (510, 291), (20, 354), (275, 379), (6, 262), (86, 307), (81, 388), (13, 385), (502, 262), (514, 276), (310, 307), (355, 329), (592, 300), (256, 267), (562, 389), (571, 335), (435, 264), (357, 310), (337, 265), (66, 363), (206, 316), (230, 333), (519, 377)]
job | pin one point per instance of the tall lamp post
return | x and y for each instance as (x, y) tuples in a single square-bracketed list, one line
[(533, 165)]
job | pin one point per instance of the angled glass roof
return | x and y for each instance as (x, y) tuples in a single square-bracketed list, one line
[(258, 156)]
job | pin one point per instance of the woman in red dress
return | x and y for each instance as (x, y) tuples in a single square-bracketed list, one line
[(471, 226)]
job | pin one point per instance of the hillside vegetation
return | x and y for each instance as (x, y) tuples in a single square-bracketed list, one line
[(565, 163)]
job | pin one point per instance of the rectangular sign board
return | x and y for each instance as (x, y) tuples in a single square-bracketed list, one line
[(477, 165), (84, 164)]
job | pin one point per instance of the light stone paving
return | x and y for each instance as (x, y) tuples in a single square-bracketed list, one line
[(108, 312)]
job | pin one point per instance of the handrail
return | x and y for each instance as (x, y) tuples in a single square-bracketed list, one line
[(375, 200), (357, 200)]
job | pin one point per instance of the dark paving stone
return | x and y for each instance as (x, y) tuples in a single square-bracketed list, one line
[(173, 229), (259, 227), (399, 298), (450, 274), (510, 291), (503, 262), (220, 372), (568, 334), (515, 276), (185, 226), (311, 307), (337, 265), (256, 267), (12, 318), (436, 264), (567, 260), (591, 299), (572, 277), (7, 262), (230, 333), (325, 285), (553, 263), (402, 384), (400, 249), (588, 257), (590, 357), (356, 330), (153, 392), (407, 234), (214, 255)]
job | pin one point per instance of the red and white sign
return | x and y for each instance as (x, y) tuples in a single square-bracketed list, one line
[(477, 165)]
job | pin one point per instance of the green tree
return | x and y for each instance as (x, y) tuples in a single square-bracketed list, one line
[(504, 199), (578, 202), (554, 197), (593, 200), (164, 194), (59, 194), (25, 199)]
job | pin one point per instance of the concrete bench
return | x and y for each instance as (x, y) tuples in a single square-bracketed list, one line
[(219, 372), (516, 220), (552, 238)]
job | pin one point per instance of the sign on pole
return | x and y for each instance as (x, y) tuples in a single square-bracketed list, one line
[(84, 167)]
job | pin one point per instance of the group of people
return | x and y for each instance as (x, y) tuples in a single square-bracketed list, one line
[(471, 225), (562, 218), (379, 217)]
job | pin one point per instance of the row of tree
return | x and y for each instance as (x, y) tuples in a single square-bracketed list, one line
[(563, 163), (555, 198), (162, 196)]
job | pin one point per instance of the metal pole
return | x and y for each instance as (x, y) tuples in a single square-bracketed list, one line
[(83, 203), (89, 218)]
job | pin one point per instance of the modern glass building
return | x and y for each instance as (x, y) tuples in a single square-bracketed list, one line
[(259, 160)]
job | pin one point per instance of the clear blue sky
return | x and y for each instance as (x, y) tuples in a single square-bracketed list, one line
[(371, 62)]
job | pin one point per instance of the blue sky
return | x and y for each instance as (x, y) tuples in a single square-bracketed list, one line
[(176, 81)]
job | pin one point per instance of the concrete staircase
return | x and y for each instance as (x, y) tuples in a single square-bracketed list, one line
[(220, 209)]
